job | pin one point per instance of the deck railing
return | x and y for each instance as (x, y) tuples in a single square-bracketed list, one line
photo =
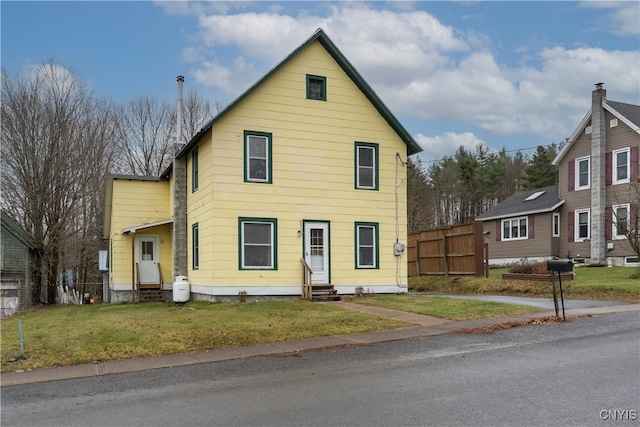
[(306, 280)]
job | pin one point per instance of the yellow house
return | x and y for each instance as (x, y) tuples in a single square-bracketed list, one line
[(297, 187)]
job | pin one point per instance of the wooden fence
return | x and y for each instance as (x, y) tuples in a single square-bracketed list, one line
[(457, 250)]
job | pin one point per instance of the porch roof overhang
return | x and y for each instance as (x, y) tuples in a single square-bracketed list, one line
[(135, 228)]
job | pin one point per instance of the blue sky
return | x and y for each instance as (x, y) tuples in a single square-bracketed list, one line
[(505, 74)]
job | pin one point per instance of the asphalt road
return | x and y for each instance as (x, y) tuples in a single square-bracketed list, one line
[(583, 372)]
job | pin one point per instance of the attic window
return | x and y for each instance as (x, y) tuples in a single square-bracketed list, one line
[(534, 195), (613, 123), (316, 87), (587, 130)]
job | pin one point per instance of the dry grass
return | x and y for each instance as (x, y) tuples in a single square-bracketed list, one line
[(591, 283)]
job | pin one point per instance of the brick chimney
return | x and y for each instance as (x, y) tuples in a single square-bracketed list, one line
[(598, 178)]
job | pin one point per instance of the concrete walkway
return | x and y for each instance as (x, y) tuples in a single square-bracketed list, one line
[(424, 326)]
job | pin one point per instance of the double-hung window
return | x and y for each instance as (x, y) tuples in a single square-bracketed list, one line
[(366, 166), (583, 173), (367, 254), (194, 170), (316, 87), (515, 228), (620, 170), (583, 225), (258, 243), (620, 221), (257, 157), (195, 246)]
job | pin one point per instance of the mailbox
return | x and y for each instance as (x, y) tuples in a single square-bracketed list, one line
[(560, 265)]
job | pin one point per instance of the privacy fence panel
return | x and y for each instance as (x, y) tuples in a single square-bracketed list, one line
[(457, 250)]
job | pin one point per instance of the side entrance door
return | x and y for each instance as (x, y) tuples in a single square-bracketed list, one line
[(316, 250), (147, 258)]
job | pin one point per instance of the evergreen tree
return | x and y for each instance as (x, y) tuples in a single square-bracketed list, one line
[(540, 172)]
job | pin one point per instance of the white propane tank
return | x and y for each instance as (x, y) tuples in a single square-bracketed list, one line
[(181, 289)]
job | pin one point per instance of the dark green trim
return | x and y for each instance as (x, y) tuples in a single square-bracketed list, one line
[(194, 170), (376, 236), (376, 169), (304, 222), (323, 96), (323, 39), (195, 248), (269, 137), (274, 223)]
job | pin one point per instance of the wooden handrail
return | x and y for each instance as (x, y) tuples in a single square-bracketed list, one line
[(306, 280)]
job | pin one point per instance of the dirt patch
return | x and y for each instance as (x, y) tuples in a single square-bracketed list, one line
[(538, 321)]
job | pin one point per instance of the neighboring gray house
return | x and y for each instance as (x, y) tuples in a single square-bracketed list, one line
[(525, 225), (16, 265), (596, 198)]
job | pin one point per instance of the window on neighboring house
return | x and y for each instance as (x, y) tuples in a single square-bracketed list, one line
[(556, 225), (258, 243), (514, 228), (366, 166), (583, 172), (583, 229), (257, 157), (316, 87), (620, 166), (194, 170), (195, 246), (620, 221), (366, 245)]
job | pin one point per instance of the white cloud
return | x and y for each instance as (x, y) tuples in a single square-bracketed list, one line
[(623, 16), (437, 147), (421, 67)]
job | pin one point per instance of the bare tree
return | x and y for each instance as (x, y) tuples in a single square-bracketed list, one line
[(627, 217), (147, 132), (56, 142)]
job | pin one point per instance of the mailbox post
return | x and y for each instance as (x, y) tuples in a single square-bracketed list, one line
[(561, 266)]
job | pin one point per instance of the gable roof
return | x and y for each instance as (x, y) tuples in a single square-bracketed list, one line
[(323, 39), (517, 204), (12, 226), (629, 114)]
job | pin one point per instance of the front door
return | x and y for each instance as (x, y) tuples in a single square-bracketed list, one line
[(316, 251), (147, 258)]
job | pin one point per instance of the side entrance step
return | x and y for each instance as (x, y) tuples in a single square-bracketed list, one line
[(150, 292), (324, 293)]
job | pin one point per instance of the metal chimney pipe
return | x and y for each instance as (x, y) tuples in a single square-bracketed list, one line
[(179, 111)]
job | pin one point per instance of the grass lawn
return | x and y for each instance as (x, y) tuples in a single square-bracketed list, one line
[(591, 283), (446, 308), (67, 335)]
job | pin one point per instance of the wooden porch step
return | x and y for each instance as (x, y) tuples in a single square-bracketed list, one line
[(150, 292), (324, 293)]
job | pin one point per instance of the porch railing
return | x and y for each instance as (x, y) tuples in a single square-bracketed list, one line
[(306, 280)]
